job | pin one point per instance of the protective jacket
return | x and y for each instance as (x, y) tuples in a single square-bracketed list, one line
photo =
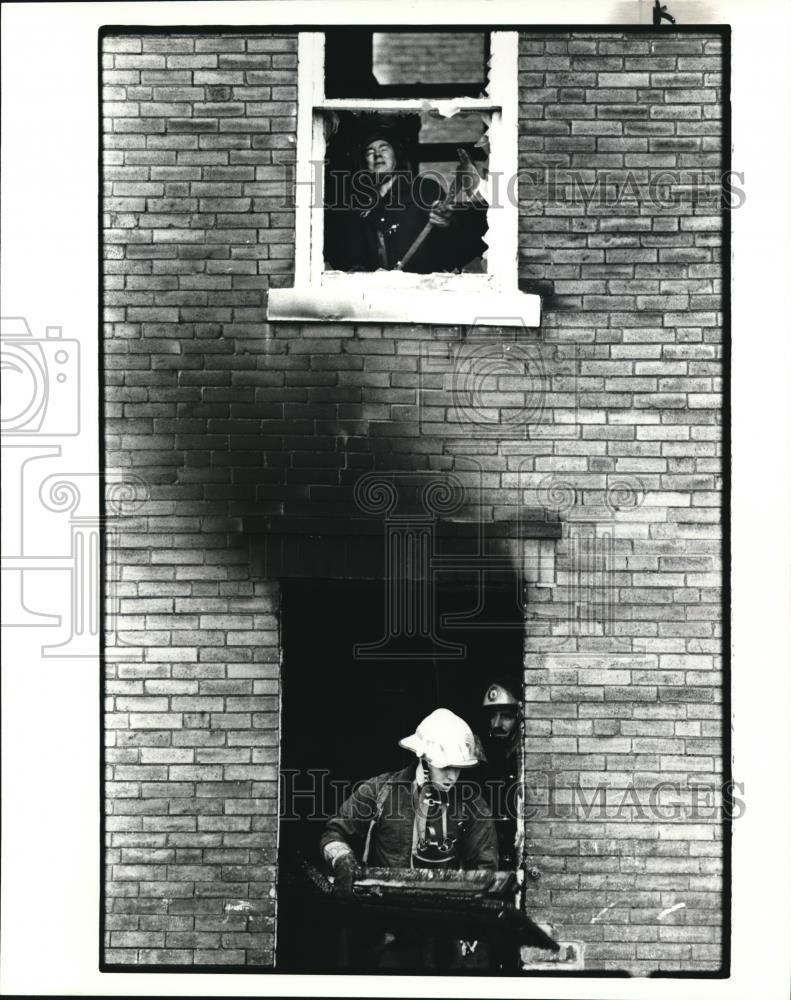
[(381, 813), (503, 795), (379, 234)]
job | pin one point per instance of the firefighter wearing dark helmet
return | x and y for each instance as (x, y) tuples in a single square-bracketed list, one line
[(503, 731), (388, 206)]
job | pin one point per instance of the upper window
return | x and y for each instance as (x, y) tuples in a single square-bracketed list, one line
[(406, 143)]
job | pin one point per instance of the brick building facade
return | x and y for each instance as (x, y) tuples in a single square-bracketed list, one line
[(251, 435)]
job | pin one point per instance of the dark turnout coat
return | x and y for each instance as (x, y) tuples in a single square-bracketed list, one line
[(500, 786), (469, 821), (374, 232)]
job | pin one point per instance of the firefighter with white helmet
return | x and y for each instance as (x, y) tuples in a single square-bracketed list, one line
[(418, 816), (445, 740), (431, 824)]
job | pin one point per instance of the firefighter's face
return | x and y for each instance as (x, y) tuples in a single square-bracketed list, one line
[(380, 157), (502, 723), (443, 777)]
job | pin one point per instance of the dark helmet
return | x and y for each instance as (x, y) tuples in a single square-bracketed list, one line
[(398, 130), (500, 695)]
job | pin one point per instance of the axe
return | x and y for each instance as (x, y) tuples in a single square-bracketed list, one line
[(466, 182)]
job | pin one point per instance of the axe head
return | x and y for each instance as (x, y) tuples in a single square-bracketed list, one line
[(467, 179)]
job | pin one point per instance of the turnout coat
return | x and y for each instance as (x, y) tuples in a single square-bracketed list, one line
[(380, 231), (377, 821)]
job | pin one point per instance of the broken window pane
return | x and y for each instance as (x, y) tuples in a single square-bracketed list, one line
[(360, 62), (441, 137), (401, 192)]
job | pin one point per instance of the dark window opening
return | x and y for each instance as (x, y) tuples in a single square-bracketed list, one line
[(342, 716)]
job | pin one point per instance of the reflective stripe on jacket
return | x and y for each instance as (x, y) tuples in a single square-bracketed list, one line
[(469, 820)]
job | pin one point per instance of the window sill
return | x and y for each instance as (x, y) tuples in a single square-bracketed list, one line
[(392, 305)]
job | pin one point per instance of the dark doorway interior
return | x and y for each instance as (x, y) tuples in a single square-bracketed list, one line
[(342, 715)]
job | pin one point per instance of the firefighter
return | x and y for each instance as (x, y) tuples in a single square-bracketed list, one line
[(389, 206), (503, 718), (416, 817)]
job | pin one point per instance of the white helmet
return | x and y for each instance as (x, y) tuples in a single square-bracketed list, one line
[(444, 739)]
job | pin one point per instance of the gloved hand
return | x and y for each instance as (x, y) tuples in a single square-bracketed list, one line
[(346, 871), (440, 214)]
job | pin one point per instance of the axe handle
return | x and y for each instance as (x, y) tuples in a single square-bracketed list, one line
[(421, 236), (419, 240)]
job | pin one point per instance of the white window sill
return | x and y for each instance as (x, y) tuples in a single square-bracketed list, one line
[(360, 304)]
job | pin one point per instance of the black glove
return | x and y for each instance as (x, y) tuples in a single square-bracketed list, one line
[(346, 871)]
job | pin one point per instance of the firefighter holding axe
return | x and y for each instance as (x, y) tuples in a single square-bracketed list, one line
[(401, 221)]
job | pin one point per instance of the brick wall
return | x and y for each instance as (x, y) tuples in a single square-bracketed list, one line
[(428, 57), (193, 238), (637, 288), (226, 416)]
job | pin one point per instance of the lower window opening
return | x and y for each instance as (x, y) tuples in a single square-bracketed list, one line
[(343, 716)]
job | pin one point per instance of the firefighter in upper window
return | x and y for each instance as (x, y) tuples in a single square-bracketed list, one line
[(503, 727), (392, 219)]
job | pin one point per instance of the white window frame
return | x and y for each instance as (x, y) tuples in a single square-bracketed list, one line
[(380, 295)]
